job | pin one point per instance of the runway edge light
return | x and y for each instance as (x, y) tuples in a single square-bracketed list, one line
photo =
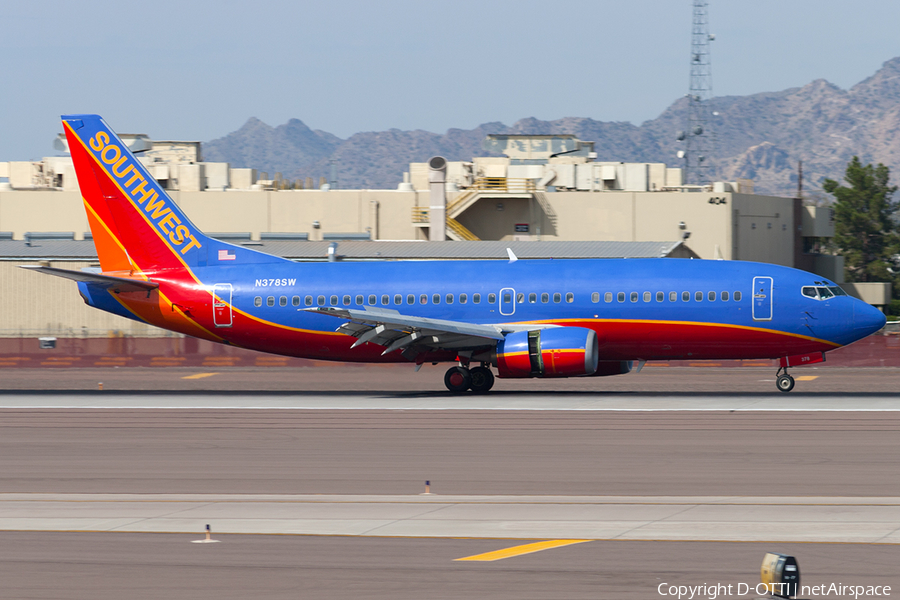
[(208, 539)]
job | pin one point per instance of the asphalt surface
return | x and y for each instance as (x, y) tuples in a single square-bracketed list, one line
[(460, 452), (490, 452), (138, 566), (392, 380)]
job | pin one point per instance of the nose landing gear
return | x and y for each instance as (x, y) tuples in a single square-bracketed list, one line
[(459, 379), (783, 381)]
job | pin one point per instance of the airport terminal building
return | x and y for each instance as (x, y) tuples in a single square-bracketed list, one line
[(545, 192)]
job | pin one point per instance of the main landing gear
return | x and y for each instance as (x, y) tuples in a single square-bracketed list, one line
[(459, 379), (783, 381)]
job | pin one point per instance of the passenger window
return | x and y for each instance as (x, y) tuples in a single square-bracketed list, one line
[(334, 300), (570, 297), (660, 296), (557, 297), (436, 299), (398, 298), (463, 298), (698, 296), (372, 299), (620, 297), (634, 296), (410, 298), (507, 298), (476, 298), (520, 298), (724, 296), (359, 300), (320, 300), (385, 299), (737, 296), (492, 298), (347, 300), (423, 299), (257, 301), (532, 298), (673, 296), (449, 298), (270, 301), (595, 297), (308, 300), (685, 296), (647, 296), (295, 300), (711, 296), (607, 297), (282, 301)]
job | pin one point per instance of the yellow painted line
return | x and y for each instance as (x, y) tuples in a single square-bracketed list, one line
[(199, 375), (520, 550), (807, 377)]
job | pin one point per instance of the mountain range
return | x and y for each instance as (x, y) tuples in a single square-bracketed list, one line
[(761, 137)]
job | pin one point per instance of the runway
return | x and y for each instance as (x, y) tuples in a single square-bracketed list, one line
[(741, 519), (316, 493)]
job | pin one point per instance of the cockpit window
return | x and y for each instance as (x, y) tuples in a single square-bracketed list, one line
[(822, 292)]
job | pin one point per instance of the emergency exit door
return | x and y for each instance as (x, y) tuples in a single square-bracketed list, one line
[(222, 304)]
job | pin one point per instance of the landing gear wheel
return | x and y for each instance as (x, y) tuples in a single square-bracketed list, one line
[(458, 379), (785, 383), (482, 379)]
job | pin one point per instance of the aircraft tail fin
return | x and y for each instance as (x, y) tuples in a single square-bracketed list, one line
[(135, 224)]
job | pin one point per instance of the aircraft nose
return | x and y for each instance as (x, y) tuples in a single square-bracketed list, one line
[(867, 318)]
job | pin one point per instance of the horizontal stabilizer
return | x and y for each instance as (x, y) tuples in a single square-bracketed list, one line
[(117, 284)]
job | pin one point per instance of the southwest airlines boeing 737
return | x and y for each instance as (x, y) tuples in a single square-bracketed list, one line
[(526, 318)]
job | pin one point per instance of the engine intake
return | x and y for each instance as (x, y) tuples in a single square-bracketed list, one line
[(556, 352)]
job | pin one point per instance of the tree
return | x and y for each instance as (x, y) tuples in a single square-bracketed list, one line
[(865, 228)]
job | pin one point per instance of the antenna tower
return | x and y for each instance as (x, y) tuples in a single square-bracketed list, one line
[(699, 138)]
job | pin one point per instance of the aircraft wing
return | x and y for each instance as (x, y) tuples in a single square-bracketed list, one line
[(395, 331), (116, 284)]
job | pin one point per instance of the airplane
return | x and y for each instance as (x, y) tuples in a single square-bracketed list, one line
[(524, 318)]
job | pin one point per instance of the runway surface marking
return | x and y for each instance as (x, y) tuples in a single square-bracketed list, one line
[(203, 375), (807, 377), (709, 518), (520, 550)]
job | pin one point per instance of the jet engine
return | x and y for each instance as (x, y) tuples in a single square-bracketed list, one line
[(555, 352)]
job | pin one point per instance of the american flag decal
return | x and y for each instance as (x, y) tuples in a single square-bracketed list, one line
[(225, 255)]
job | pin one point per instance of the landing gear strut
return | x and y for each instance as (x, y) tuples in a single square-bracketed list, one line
[(783, 381), (460, 379)]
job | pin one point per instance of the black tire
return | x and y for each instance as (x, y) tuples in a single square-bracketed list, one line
[(457, 379), (785, 383), (482, 379)]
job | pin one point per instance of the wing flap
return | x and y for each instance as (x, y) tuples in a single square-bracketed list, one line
[(395, 331)]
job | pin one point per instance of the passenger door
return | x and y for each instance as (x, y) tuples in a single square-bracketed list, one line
[(762, 298)]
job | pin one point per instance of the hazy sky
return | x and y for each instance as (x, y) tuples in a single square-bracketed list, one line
[(198, 70)]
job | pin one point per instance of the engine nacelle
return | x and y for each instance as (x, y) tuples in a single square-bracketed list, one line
[(555, 352)]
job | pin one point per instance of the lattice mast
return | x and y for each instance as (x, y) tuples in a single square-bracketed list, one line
[(699, 137)]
